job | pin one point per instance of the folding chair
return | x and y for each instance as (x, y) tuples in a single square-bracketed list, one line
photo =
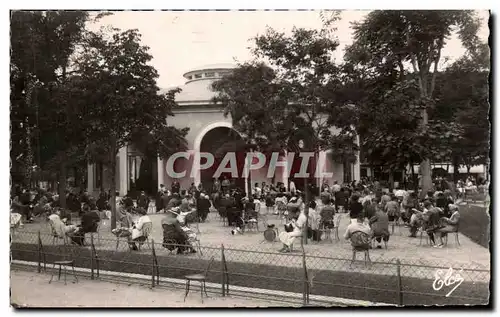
[(395, 223), (202, 278), (253, 223), (326, 231), (335, 230), (456, 237), (421, 230), (96, 232), (65, 262)]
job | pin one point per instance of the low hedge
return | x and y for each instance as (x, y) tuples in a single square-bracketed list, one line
[(475, 223)]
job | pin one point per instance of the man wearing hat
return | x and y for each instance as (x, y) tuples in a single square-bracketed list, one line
[(173, 235)]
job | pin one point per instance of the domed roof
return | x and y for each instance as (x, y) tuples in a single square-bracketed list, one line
[(211, 67), (195, 91), (198, 85)]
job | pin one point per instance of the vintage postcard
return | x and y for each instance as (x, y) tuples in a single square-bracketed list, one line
[(233, 158)]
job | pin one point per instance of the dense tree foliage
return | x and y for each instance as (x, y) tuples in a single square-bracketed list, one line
[(402, 51), (79, 95), (462, 97), (115, 93), (44, 132)]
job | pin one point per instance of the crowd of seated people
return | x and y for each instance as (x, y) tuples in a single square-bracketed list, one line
[(436, 214)]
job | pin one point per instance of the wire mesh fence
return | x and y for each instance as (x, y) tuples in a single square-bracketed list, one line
[(378, 280)]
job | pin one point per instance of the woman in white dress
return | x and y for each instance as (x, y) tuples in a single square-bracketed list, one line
[(137, 233), (288, 238)]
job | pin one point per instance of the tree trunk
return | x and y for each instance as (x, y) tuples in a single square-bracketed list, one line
[(425, 165), (62, 184), (391, 180), (112, 176), (414, 178), (468, 170), (456, 166), (113, 195)]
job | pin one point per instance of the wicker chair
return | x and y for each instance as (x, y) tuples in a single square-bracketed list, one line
[(55, 234), (361, 247), (147, 228)]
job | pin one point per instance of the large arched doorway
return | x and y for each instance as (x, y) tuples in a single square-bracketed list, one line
[(218, 142)]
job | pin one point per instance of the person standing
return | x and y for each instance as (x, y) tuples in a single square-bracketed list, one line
[(226, 184), (392, 209), (159, 200), (355, 208), (217, 186), (257, 191), (203, 206), (327, 215), (176, 187), (143, 201), (313, 221), (325, 195)]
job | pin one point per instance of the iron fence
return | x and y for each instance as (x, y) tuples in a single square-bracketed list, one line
[(333, 279)]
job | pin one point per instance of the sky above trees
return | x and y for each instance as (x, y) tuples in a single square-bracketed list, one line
[(184, 40)]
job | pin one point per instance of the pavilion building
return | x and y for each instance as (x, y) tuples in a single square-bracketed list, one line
[(208, 130)]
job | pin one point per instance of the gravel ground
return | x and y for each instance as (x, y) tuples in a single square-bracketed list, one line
[(30, 289), (408, 250)]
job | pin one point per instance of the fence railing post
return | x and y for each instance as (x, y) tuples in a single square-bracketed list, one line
[(155, 260), (305, 292), (39, 248), (91, 256), (222, 269), (226, 273), (400, 285), (152, 264)]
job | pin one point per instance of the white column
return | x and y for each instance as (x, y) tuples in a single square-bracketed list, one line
[(196, 166), (90, 178), (284, 175), (321, 165), (357, 166), (161, 172), (248, 191), (124, 175)]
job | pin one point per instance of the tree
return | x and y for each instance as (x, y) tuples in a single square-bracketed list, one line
[(291, 100), (462, 97), (41, 46), (248, 94), (116, 95), (410, 42)]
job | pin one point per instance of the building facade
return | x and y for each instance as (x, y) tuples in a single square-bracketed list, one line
[(208, 130)]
